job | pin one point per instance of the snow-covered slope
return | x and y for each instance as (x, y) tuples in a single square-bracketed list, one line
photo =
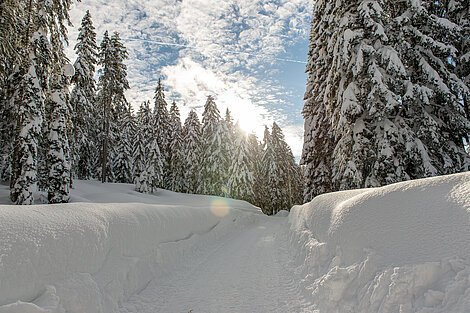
[(399, 248), (91, 255)]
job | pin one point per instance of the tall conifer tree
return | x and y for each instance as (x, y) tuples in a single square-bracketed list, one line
[(84, 141), (29, 98), (12, 43), (38, 46), (255, 152), (123, 161), (111, 99), (213, 158), (141, 147), (318, 134), (58, 151), (271, 198), (192, 152), (289, 170), (176, 171), (162, 126), (384, 100), (105, 95), (229, 133), (154, 165), (240, 178)]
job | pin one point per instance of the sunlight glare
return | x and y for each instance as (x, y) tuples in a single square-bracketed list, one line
[(220, 207), (250, 123)]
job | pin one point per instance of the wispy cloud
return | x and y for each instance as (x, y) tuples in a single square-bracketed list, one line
[(192, 83), (231, 49)]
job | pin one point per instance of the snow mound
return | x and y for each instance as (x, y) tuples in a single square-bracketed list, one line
[(399, 248), (91, 255), (282, 213)]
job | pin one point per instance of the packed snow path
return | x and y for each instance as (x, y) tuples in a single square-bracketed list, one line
[(250, 270)]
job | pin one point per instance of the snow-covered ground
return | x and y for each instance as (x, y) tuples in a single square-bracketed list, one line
[(92, 254), (400, 248)]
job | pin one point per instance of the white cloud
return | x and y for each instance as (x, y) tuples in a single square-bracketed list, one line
[(194, 83), (228, 48)]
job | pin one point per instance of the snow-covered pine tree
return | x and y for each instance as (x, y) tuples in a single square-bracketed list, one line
[(8, 114), (176, 171), (213, 158), (458, 11), (142, 181), (229, 122), (141, 146), (148, 165), (39, 21), (154, 164), (420, 92), (104, 103), (240, 181), (318, 133), (437, 38), (84, 141), (231, 132), (150, 177), (388, 86), (29, 99), (162, 125), (255, 154), (280, 176), (270, 176), (12, 24), (120, 154), (191, 153), (120, 83), (58, 107), (351, 96), (228, 131), (290, 171), (28, 96), (58, 151), (7, 126), (46, 63), (111, 99), (122, 162)]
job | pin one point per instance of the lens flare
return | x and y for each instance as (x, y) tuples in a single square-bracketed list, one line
[(220, 207)]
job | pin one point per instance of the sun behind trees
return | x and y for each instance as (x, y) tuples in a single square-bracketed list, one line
[(212, 158), (50, 136)]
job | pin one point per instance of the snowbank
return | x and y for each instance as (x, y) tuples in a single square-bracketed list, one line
[(91, 255), (399, 248)]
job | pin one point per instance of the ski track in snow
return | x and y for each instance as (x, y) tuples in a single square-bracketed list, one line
[(247, 271)]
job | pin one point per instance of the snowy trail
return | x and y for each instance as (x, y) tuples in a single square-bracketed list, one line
[(247, 271)]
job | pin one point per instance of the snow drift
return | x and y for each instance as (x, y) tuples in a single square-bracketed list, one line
[(90, 257), (399, 248)]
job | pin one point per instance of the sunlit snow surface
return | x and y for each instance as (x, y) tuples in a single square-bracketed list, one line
[(92, 254), (401, 248)]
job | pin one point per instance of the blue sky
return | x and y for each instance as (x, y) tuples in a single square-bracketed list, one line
[(250, 55)]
